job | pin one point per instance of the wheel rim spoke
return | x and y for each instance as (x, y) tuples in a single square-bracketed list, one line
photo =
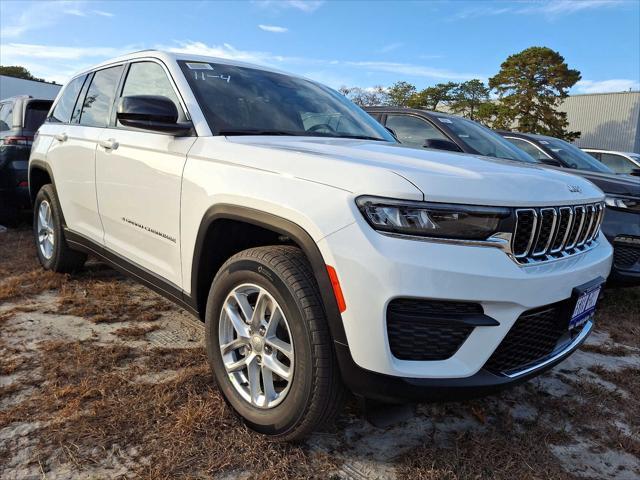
[(277, 367), (254, 381), (233, 345), (256, 346), (238, 324), (46, 234), (282, 346)]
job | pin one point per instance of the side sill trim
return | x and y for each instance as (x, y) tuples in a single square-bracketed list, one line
[(149, 279)]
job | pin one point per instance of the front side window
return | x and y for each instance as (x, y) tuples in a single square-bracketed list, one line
[(248, 101), (572, 156), (529, 148), (62, 111), (483, 140), (97, 103), (618, 163), (413, 131), (149, 78), (6, 116)]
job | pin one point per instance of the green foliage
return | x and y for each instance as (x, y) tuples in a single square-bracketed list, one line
[(365, 97), (467, 98), (433, 97), (400, 93), (531, 85), (18, 72)]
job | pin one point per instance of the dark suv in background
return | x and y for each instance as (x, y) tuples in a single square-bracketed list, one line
[(426, 129), (20, 118)]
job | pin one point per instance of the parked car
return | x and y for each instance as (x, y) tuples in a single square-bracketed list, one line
[(622, 222), (318, 251), (422, 128), (20, 117), (623, 163)]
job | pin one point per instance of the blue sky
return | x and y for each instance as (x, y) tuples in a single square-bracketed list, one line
[(338, 43)]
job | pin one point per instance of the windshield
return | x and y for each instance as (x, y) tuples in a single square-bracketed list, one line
[(483, 140), (572, 156), (248, 101)]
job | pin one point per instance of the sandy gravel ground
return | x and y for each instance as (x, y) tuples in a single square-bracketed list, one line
[(102, 378)]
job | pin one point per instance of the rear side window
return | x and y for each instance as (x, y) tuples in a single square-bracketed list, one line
[(97, 104), (35, 115), (149, 78), (413, 131), (6, 116), (62, 111)]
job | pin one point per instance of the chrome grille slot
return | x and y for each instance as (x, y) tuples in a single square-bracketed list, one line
[(526, 221), (554, 232), (545, 232), (578, 222), (565, 216)]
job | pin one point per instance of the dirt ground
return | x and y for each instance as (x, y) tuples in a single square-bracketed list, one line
[(102, 378)]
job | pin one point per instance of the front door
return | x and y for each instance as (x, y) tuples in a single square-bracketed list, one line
[(138, 181)]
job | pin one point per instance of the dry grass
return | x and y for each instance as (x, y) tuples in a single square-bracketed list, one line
[(135, 332), (619, 314), (181, 427)]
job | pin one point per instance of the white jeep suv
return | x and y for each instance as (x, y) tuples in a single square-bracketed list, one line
[(319, 252)]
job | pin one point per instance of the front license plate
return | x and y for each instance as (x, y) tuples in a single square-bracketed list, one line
[(585, 306)]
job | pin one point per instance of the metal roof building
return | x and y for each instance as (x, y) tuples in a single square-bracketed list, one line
[(11, 87), (605, 120)]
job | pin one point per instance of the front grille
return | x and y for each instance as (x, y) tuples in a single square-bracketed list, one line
[(554, 232), (533, 337), (420, 329), (625, 256)]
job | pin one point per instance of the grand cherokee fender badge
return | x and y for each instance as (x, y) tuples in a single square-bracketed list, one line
[(574, 188), (149, 229)]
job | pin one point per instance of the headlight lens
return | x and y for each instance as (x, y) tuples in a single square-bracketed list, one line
[(436, 220), (622, 202)]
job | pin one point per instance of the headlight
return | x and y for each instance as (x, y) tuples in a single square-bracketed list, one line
[(621, 202), (436, 220)]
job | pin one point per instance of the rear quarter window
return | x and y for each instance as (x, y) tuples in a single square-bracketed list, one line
[(64, 106)]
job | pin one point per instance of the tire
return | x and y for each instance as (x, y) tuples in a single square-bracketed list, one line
[(314, 393), (53, 252)]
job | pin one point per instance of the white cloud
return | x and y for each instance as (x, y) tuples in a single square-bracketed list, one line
[(307, 6), (102, 13), (604, 86), (414, 70), (391, 47), (41, 15), (273, 28), (551, 9)]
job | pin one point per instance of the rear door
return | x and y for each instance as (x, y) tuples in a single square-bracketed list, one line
[(74, 127), (139, 178)]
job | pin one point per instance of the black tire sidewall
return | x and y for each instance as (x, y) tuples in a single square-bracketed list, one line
[(47, 193), (286, 415)]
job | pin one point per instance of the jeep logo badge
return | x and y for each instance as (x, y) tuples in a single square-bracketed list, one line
[(574, 188)]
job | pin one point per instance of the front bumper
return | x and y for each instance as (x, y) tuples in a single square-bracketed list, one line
[(374, 269)]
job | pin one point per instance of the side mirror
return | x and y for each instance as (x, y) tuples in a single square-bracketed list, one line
[(151, 112), (441, 144), (551, 161), (635, 172)]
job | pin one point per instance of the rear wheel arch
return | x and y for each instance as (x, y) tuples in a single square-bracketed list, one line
[(270, 230), (40, 174)]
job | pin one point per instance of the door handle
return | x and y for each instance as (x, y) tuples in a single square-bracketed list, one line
[(61, 137), (109, 144)]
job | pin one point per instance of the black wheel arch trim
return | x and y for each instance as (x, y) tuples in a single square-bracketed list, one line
[(284, 227)]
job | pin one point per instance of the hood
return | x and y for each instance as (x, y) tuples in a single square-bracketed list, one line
[(610, 183), (441, 176)]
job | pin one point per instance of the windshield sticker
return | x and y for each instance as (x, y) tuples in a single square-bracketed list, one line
[(222, 77), (199, 66), (445, 120)]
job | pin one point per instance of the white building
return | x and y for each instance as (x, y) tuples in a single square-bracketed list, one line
[(11, 87)]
